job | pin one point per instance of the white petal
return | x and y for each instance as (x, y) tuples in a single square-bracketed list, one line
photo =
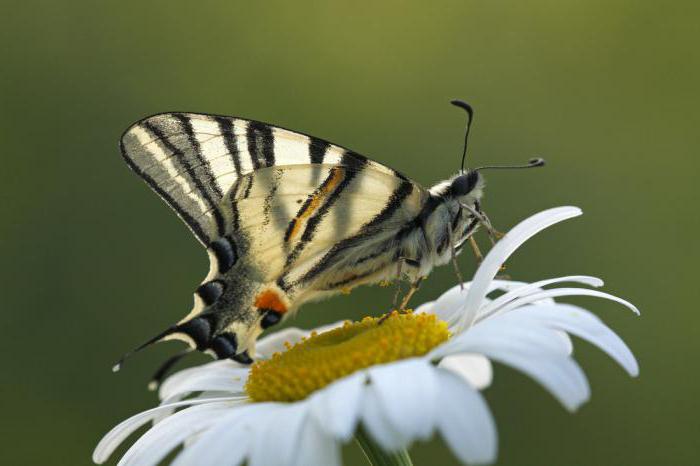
[(277, 437), (331, 326), (213, 396), (566, 341), (449, 304), (172, 384), (532, 288), (336, 408), (127, 427), (474, 368), (425, 308), (502, 250), (162, 438), (465, 421), (505, 285), (407, 391), (222, 379), (557, 292), (529, 347), (229, 442), (586, 325), (560, 375), (274, 343), (316, 448), (376, 424), (503, 333)]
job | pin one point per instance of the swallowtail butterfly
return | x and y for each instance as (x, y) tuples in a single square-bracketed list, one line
[(288, 218)]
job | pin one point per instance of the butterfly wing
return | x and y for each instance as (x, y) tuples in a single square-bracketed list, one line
[(305, 223), (283, 215), (295, 233), (192, 160)]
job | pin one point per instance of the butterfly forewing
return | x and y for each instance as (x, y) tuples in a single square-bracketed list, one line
[(193, 160)]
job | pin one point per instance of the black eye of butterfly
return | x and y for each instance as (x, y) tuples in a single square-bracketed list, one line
[(463, 184)]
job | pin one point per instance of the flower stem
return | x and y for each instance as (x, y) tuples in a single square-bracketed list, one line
[(377, 456)]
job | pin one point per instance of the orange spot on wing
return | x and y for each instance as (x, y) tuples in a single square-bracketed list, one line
[(270, 299), (327, 188)]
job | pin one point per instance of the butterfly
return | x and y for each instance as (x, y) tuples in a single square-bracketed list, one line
[(287, 218)]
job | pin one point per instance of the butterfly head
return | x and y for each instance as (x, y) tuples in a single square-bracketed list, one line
[(466, 185), (462, 188)]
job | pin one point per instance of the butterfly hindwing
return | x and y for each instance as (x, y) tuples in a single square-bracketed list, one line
[(296, 233), (300, 221)]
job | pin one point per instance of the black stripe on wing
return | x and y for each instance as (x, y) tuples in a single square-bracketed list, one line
[(182, 213), (233, 203), (269, 199), (201, 160), (295, 223), (261, 144), (317, 149), (368, 230), (191, 162), (229, 135), (354, 167), (351, 165), (350, 280)]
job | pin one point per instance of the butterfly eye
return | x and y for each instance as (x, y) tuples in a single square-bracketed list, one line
[(463, 184)]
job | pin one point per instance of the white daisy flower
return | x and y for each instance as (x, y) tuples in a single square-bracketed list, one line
[(385, 383)]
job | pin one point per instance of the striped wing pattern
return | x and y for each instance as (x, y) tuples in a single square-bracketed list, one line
[(192, 160), (285, 217), (309, 222)]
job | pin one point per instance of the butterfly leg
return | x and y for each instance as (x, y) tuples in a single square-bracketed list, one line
[(401, 305), (494, 235), (483, 220), (454, 259), (404, 302), (399, 271), (411, 291), (480, 258), (476, 250)]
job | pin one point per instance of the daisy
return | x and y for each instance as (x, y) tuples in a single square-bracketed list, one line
[(385, 383)]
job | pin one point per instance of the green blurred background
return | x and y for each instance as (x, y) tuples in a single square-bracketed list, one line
[(93, 262)]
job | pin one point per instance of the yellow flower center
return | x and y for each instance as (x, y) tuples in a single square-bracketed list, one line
[(322, 358)]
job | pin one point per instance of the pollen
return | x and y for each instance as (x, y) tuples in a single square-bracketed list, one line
[(320, 359)]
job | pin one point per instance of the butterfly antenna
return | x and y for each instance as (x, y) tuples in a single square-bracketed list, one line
[(470, 116), (532, 163)]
